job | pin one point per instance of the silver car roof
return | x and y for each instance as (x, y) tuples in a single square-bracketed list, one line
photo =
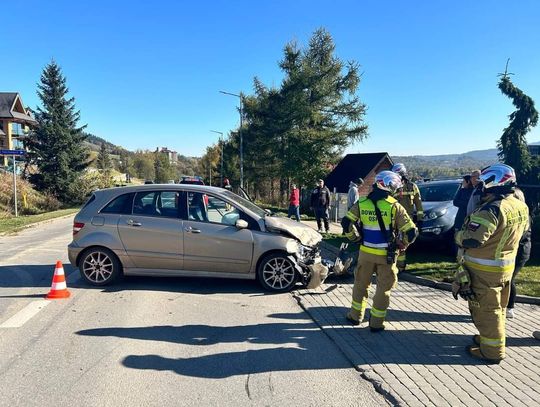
[(162, 187)]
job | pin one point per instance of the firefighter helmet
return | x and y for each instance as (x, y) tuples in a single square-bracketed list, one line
[(388, 181), (400, 169), (498, 175)]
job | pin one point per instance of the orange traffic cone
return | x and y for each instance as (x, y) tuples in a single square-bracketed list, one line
[(58, 287)]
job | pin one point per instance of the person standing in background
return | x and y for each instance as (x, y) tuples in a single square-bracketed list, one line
[(461, 200), (294, 203), (409, 197), (353, 194), (476, 195), (320, 203)]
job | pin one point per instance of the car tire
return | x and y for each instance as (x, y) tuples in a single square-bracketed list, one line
[(99, 266), (277, 272)]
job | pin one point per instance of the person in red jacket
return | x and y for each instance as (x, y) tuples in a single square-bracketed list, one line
[(294, 203)]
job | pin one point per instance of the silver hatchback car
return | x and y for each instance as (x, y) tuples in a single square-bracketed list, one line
[(189, 230)]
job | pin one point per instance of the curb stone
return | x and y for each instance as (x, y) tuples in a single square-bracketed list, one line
[(411, 278)]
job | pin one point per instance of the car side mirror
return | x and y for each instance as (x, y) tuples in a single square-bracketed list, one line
[(241, 224)]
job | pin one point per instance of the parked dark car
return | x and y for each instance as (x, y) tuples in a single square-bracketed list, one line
[(439, 211), (193, 180)]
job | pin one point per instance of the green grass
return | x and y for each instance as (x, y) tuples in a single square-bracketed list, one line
[(435, 263), (283, 212), (528, 279), (10, 225)]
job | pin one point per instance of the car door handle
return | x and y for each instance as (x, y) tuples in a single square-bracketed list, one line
[(189, 229), (131, 222)]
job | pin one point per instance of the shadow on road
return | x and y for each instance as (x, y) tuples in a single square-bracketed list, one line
[(298, 346), (338, 314), (36, 276), (27, 276)]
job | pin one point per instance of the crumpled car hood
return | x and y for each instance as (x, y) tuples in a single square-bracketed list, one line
[(306, 235)]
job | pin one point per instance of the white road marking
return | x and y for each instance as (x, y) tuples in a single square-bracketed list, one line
[(21, 317)]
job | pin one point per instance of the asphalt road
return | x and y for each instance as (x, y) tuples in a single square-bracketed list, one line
[(153, 341)]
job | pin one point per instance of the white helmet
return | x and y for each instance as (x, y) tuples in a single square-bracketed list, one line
[(400, 169), (498, 175), (388, 181)]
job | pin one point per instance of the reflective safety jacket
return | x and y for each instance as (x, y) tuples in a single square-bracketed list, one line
[(395, 218), (409, 197), (491, 234)]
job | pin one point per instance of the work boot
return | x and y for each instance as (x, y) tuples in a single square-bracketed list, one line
[(510, 313), (476, 353), (353, 321), (536, 335), (476, 340), (378, 329)]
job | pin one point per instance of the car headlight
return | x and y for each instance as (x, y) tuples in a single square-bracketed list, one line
[(302, 251), (293, 246), (435, 214)]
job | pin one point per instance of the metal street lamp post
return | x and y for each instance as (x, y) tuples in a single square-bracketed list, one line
[(221, 148), (241, 138)]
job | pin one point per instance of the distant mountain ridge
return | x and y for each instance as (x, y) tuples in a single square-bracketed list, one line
[(475, 158)]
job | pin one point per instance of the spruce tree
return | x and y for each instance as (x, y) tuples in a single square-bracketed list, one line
[(56, 147), (512, 145)]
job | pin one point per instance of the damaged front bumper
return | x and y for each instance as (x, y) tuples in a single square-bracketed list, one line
[(314, 269)]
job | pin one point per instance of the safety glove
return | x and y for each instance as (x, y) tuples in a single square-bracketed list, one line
[(462, 285)]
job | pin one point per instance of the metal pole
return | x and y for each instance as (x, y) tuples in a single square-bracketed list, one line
[(210, 171), (221, 172), (241, 146), (15, 185)]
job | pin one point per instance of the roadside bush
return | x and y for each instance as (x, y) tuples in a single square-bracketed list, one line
[(30, 201), (88, 182)]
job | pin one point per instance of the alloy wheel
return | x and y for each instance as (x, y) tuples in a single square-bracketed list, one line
[(279, 273), (98, 267)]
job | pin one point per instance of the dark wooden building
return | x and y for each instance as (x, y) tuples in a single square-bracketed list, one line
[(354, 166)]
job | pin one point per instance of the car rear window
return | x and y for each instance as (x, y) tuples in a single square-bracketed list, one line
[(121, 204), (90, 200)]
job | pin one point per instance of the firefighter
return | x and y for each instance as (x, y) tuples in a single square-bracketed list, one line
[(383, 227), (409, 197), (489, 240)]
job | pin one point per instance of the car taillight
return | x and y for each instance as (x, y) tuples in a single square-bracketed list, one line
[(77, 226)]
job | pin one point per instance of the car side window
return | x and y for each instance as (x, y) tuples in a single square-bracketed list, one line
[(157, 203), (121, 204), (207, 208)]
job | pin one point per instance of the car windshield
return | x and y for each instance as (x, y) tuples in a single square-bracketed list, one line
[(438, 192), (245, 203)]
